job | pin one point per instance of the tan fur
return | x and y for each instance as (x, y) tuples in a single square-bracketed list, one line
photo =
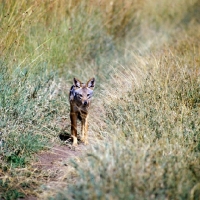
[(79, 98)]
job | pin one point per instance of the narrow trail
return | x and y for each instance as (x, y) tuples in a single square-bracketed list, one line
[(55, 168), (54, 164)]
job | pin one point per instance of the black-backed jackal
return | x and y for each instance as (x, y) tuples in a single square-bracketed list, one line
[(79, 97)]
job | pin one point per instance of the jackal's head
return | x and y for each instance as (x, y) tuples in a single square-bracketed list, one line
[(81, 92)]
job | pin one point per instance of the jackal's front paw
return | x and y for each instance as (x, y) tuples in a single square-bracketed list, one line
[(74, 141), (84, 140)]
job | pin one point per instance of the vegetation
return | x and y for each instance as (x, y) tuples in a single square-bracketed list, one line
[(145, 56)]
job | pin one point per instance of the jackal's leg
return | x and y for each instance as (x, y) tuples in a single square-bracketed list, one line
[(84, 129), (73, 117)]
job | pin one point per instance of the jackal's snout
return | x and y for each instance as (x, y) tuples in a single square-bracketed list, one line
[(85, 103)]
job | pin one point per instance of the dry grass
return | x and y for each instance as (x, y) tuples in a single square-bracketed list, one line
[(145, 119), (151, 146), (152, 136)]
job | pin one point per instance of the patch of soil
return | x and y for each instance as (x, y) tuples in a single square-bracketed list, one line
[(54, 165), (57, 156)]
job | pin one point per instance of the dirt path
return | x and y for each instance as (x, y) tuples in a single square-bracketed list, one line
[(54, 164)]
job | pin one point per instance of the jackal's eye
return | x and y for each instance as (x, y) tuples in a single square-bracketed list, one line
[(80, 95), (88, 95)]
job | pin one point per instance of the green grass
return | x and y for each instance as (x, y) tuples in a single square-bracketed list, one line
[(145, 57)]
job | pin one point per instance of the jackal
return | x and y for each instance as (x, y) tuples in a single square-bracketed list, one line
[(79, 97)]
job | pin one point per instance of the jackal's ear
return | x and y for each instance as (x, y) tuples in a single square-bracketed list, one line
[(77, 83), (91, 83)]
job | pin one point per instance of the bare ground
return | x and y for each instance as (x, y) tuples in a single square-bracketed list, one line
[(55, 167)]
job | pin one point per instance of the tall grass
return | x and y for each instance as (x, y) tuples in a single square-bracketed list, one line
[(145, 55), (151, 150), (64, 33), (153, 126)]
